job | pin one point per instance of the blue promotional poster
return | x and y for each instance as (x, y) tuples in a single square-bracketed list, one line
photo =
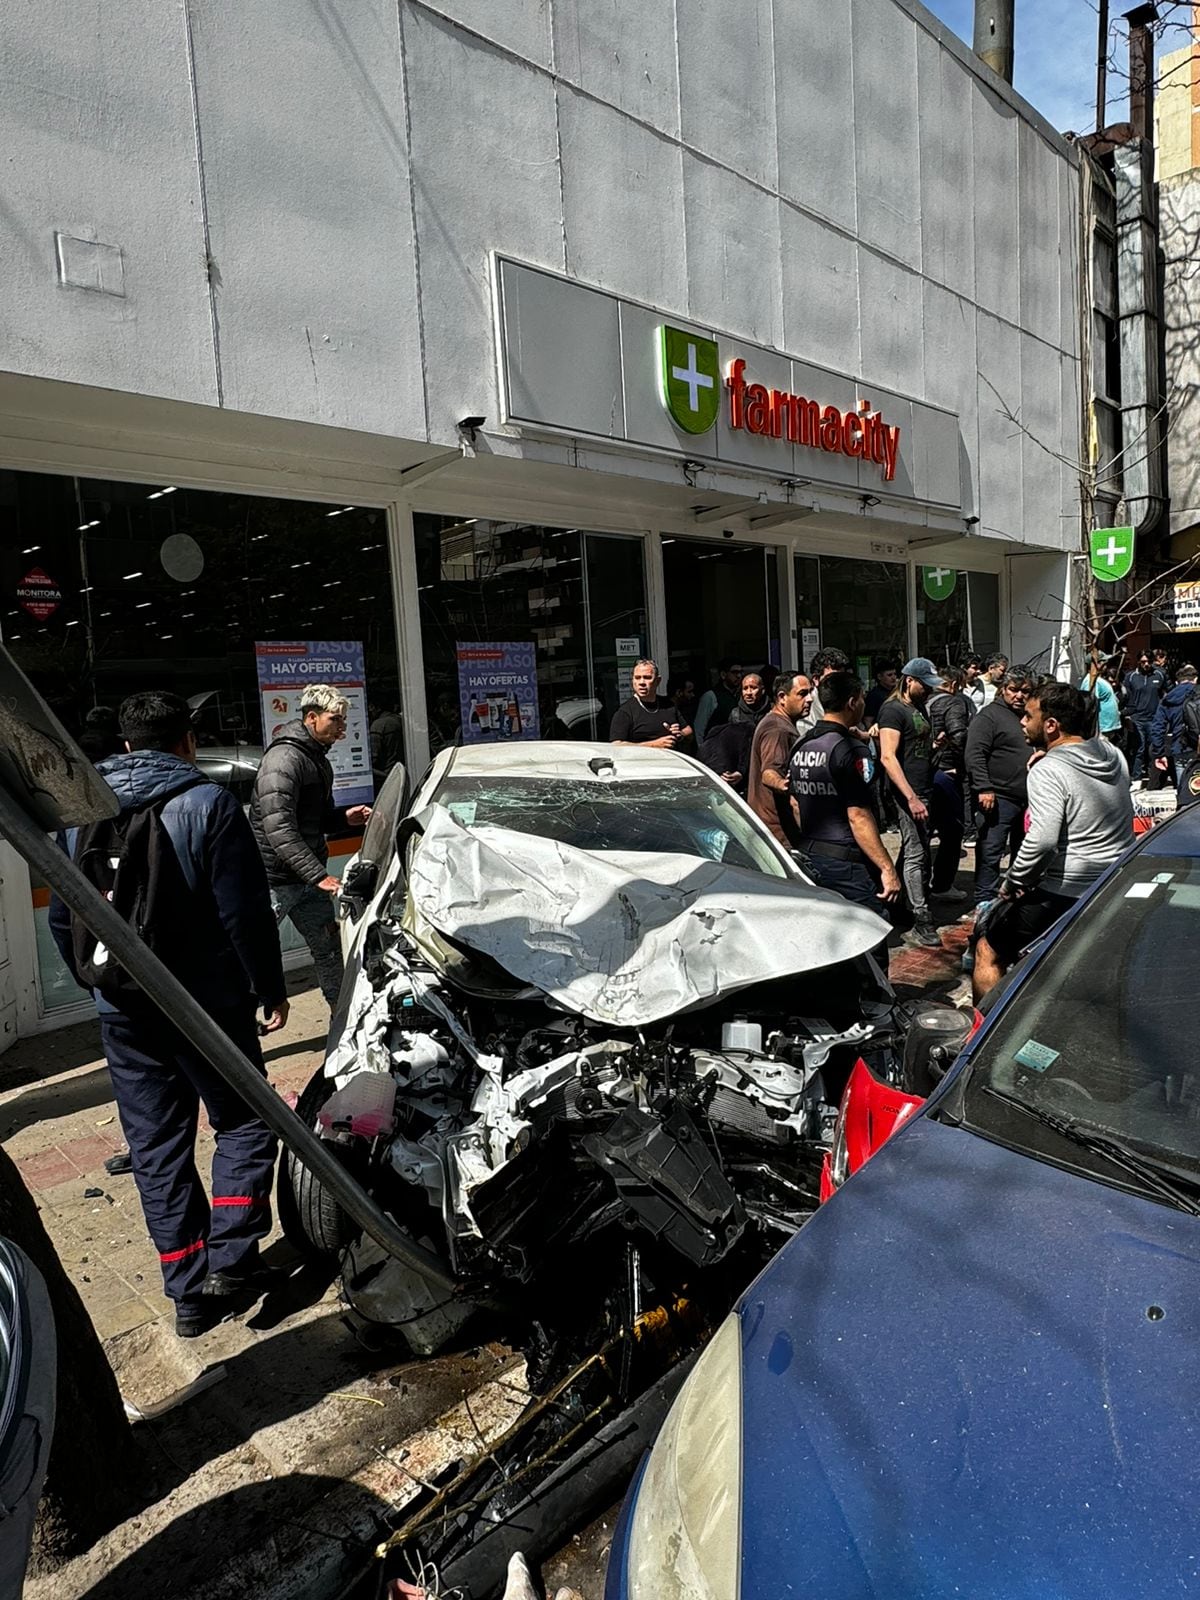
[(286, 668), (497, 692)]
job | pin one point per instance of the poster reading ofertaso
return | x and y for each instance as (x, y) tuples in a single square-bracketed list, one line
[(286, 668), (497, 692)]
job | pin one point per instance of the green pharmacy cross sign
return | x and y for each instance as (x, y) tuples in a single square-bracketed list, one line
[(689, 378), (939, 583), (1111, 552)]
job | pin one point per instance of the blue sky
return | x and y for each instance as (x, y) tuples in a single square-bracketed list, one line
[(1056, 54)]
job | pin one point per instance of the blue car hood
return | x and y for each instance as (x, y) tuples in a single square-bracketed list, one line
[(974, 1375)]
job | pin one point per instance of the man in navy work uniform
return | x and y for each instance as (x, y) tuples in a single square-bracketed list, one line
[(213, 926), (839, 837)]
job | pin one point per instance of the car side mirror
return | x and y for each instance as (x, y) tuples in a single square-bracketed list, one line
[(358, 886), (935, 1036)]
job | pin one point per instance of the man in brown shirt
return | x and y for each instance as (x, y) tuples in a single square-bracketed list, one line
[(767, 792)]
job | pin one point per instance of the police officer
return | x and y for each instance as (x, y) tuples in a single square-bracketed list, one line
[(829, 779)]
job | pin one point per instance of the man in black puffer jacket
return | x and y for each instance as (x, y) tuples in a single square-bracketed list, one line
[(290, 811)]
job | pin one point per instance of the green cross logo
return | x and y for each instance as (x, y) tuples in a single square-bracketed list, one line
[(1111, 551), (939, 583), (689, 378)]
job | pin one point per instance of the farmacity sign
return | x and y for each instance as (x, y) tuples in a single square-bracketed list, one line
[(583, 362)]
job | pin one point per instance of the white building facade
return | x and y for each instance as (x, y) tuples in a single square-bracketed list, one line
[(688, 329)]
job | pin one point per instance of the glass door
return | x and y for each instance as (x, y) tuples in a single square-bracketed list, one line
[(722, 605)]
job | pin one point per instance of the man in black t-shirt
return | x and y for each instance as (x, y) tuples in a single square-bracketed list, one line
[(829, 779), (906, 750), (647, 718)]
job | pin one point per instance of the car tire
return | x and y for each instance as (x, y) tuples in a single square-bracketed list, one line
[(311, 1219)]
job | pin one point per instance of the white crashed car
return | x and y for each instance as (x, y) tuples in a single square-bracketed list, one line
[(593, 1033)]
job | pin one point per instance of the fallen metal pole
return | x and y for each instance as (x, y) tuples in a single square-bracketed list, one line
[(178, 1006)]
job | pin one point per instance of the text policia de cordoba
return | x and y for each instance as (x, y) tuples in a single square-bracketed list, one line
[(779, 415)]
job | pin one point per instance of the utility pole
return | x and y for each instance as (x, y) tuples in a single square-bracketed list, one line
[(1102, 68)]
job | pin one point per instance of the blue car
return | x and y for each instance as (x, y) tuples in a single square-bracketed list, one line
[(976, 1372)]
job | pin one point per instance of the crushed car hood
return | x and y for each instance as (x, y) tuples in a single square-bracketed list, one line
[(625, 939)]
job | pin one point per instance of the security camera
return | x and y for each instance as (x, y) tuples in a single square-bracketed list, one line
[(728, 533)]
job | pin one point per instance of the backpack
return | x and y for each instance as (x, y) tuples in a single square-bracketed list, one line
[(1191, 723), (131, 861)]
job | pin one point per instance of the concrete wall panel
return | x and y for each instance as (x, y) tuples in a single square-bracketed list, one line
[(820, 291), (994, 155), (733, 253), (87, 151), (951, 376), (886, 151), (475, 194), (522, 26), (1070, 473), (310, 217), (947, 169), (814, 91), (623, 203), (1068, 259), (624, 55), (1041, 421), (890, 307), (727, 84), (1000, 502), (1040, 224)]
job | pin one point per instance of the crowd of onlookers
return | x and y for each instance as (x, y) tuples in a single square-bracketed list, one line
[(1034, 772)]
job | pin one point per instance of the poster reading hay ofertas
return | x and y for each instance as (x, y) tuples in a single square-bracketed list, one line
[(497, 692), (285, 669)]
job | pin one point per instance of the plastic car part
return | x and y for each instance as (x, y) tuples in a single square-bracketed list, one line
[(670, 1182), (384, 1294), (871, 1112), (935, 1036)]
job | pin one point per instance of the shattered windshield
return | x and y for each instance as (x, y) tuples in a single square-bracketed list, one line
[(688, 816), (1102, 1035)]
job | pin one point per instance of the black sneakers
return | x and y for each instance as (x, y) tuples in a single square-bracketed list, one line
[(925, 934)]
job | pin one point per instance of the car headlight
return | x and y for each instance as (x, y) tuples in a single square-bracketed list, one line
[(685, 1535)]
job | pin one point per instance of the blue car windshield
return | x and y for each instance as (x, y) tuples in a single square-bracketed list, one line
[(1103, 1032), (692, 816)]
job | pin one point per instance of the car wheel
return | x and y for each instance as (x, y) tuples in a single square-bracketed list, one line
[(311, 1219)]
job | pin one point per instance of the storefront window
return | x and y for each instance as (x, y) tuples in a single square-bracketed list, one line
[(864, 608), (110, 588), (722, 602), (957, 613), (527, 631), (808, 610)]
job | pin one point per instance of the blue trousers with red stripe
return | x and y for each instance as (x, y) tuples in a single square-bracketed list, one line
[(159, 1081)]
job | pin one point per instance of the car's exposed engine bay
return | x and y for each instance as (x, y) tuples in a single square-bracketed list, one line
[(533, 1144)]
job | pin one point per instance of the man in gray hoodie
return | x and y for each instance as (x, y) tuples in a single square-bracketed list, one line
[(1080, 821)]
